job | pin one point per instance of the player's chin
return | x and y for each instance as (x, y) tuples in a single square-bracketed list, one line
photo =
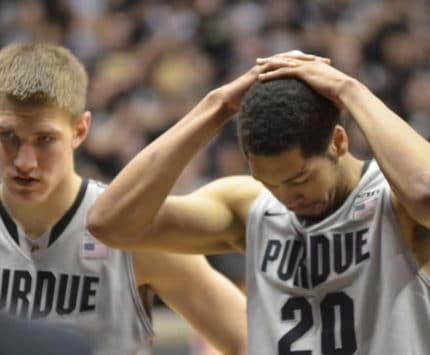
[(33, 195)]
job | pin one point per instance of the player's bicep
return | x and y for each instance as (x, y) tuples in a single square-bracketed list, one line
[(210, 220), (195, 223)]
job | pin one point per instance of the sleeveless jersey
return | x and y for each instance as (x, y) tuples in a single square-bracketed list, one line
[(69, 277), (345, 285)]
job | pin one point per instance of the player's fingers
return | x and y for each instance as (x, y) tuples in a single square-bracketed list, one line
[(323, 59), (296, 54), (274, 63), (304, 56), (278, 73)]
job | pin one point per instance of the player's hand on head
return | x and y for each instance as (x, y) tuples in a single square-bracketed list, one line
[(318, 74), (296, 54), (232, 93)]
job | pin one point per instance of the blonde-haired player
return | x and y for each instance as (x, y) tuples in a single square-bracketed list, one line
[(51, 267)]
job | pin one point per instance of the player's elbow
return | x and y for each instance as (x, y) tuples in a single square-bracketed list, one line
[(116, 234), (100, 229)]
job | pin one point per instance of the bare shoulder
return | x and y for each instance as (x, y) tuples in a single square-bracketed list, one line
[(239, 192)]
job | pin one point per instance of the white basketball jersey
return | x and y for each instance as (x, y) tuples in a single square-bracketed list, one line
[(68, 276), (345, 285)]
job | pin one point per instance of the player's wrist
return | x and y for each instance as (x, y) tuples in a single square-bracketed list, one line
[(220, 101), (350, 90)]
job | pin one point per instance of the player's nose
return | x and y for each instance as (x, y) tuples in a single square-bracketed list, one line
[(26, 158)]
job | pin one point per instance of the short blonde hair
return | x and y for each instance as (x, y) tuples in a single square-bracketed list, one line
[(42, 74)]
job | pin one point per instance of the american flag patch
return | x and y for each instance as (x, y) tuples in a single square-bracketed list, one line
[(364, 209), (92, 249)]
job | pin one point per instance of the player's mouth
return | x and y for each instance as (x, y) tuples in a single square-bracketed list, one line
[(25, 181)]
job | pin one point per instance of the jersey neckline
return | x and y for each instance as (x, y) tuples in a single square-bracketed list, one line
[(58, 227)]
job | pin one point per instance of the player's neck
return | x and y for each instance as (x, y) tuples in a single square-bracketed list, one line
[(36, 219), (351, 172)]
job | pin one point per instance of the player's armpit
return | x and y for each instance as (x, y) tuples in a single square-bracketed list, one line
[(416, 209), (416, 236)]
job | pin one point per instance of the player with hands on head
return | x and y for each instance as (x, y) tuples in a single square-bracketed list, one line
[(338, 250), (154, 228)]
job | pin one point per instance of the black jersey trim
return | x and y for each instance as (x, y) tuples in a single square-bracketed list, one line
[(9, 223), (59, 227)]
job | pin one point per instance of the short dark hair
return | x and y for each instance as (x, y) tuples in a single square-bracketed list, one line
[(280, 114)]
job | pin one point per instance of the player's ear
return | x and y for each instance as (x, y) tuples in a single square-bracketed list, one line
[(81, 128), (339, 142)]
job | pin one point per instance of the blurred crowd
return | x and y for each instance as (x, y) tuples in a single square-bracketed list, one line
[(150, 61)]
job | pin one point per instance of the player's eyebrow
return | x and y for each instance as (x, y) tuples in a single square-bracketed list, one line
[(47, 131)]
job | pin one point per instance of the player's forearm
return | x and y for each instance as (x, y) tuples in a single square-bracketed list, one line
[(226, 330), (210, 302), (133, 198), (403, 154)]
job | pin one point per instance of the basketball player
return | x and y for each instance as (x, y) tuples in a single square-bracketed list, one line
[(50, 265), (338, 249)]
